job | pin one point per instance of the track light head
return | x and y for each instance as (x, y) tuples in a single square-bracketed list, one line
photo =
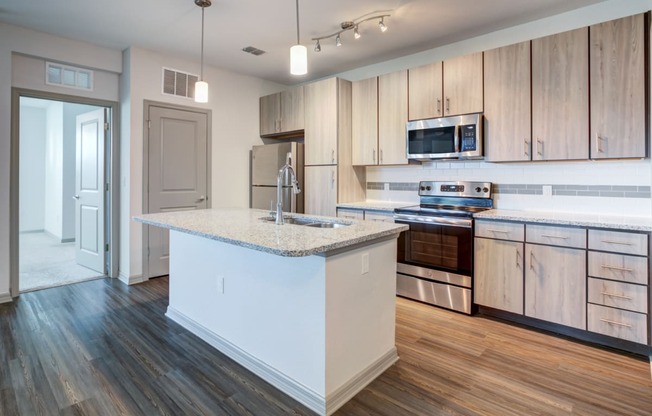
[(356, 33), (338, 41), (317, 47), (382, 26)]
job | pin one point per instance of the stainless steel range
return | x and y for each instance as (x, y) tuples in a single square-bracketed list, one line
[(435, 256)]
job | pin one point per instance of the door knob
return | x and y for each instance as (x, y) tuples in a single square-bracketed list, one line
[(201, 198), (75, 197)]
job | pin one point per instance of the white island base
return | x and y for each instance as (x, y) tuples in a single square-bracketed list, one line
[(318, 327)]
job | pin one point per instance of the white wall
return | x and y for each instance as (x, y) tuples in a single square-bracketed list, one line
[(233, 99), (54, 168), (20, 44), (619, 173), (32, 168)]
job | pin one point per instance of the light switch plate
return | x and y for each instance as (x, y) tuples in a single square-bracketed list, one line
[(220, 284), (547, 191), (365, 263)]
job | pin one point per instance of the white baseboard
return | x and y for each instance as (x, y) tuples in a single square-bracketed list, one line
[(286, 384), (131, 280), (5, 297), (344, 393)]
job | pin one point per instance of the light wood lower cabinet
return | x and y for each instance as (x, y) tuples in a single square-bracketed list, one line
[(555, 288), (618, 323), (499, 274), (350, 214), (321, 190)]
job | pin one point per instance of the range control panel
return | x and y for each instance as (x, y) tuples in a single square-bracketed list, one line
[(458, 189)]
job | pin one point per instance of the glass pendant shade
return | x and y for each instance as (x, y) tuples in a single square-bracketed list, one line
[(298, 60), (201, 92)]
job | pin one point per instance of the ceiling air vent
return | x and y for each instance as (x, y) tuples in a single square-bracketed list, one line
[(253, 51), (179, 84)]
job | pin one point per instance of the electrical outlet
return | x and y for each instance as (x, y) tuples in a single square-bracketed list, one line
[(547, 191), (220, 284), (365, 263), (386, 186)]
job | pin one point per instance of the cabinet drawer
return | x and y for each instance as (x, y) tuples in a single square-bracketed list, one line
[(618, 267), (373, 216), (619, 295), (618, 242), (351, 214), (556, 236), (500, 230), (618, 323)]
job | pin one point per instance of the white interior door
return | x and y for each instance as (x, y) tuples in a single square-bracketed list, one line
[(89, 189), (177, 171)]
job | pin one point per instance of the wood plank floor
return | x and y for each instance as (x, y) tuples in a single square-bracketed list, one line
[(103, 348)]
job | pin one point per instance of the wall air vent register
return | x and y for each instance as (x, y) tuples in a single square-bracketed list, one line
[(178, 83)]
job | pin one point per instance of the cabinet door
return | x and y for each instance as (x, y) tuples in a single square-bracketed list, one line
[(321, 122), (378, 217), (498, 274), (350, 214), (555, 284), (425, 92), (463, 92), (560, 96), (364, 121), (292, 112), (321, 190), (270, 114), (507, 103), (617, 88), (392, 116)]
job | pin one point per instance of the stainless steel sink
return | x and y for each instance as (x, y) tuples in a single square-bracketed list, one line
[(327, 225), (308, 222)]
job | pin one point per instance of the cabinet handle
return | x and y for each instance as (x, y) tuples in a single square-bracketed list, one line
[(531, 260), (615, 295), (448, 105), (491, 230), (332, 179), (608, 321), (333, 156), (555, 236), (539, 147), (438, 106), (526, 148), (622, 243), (381, 155), (622, 269), (598, 139), (518, 257), (374, 155)]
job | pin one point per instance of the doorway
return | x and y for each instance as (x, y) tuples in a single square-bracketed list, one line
[(61, 198)]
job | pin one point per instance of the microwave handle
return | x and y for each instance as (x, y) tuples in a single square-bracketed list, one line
[(456, 138)]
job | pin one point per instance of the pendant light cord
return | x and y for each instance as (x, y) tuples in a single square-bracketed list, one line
[(201, 72), (298, 42)]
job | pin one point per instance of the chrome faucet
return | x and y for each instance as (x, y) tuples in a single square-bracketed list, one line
[(279, 190)]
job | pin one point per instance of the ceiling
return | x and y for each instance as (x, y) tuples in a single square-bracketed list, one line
[(174, 27)]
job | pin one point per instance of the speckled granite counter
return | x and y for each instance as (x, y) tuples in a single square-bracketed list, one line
[(244, 227), (376, 205), (618, 222)]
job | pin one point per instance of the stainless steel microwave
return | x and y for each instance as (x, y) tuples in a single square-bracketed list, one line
[(458, 137)]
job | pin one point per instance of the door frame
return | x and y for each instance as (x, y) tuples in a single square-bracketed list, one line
[(209, 146), (112, 179)]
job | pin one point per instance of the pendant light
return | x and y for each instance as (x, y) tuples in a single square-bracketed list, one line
[(201, 86), (298, 54)]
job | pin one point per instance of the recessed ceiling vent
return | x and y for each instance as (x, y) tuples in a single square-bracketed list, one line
[(177, 83), (253, 51)]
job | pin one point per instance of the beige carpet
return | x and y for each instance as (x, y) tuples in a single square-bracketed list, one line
[(45, 262)]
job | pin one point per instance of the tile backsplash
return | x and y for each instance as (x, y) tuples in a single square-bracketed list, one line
[(603, 187)]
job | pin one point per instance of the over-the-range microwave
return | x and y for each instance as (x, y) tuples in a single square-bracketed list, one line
[(458, 137)]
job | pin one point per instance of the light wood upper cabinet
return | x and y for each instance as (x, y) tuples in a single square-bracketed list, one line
[(555, 284), (617, 59), (321, 117), (321, 190), (507, 114), (282, 114), (560, 96), (392, 116), (498, 274), (364, 121), (463, 90), (425, 91)]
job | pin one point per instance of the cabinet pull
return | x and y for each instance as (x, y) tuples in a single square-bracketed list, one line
[(518, 257), (622, 243), (531, 260), (539, 147), (622, 269), (448, 105), (526, 148), (609, 321), (381, 155), (333, 156), (491, 230), (555, 236), (438, 106), (374, 156), (615, 295), (332, 179), (598, 139)]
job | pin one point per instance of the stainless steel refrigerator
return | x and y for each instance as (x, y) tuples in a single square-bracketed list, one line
[(266, 160)]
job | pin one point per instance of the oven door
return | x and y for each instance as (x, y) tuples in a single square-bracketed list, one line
[(439, 243)]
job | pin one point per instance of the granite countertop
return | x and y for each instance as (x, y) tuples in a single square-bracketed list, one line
[(244, 227), (620, 222), (376, 205)]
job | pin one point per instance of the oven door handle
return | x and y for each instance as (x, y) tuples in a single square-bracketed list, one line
[(447, 221)]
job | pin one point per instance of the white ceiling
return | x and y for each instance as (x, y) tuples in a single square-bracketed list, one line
[(174, 27)]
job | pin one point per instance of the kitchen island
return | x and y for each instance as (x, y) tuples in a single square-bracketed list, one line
[(309, 309)]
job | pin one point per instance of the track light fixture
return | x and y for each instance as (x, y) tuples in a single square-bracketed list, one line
[(354, 24)]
